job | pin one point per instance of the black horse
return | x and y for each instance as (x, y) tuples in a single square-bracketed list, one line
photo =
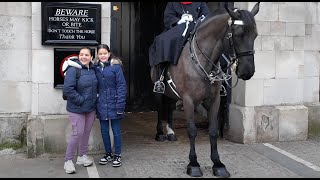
[(197, 77)]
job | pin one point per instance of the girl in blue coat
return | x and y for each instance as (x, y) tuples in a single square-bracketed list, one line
[(111, 102), (81, 95)]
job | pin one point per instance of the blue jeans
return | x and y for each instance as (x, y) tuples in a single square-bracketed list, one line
[(116, 129)]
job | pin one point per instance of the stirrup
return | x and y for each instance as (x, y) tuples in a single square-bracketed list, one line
[(159, 87), (223, 91)]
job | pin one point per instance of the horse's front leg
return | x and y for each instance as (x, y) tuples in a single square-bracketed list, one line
[(170, 133), (193, 168), (218, 167)]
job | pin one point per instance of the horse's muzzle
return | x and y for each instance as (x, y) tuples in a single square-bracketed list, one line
[(245, 76)]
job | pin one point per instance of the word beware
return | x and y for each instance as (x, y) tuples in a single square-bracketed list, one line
[(72, 12)]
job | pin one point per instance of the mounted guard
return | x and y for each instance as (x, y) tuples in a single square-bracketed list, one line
[(180, 19)]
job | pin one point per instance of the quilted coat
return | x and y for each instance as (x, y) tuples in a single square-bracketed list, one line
[(81, 93), (111, 90)]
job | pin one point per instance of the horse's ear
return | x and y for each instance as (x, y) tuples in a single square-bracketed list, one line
[(255, 9), (232, 14)]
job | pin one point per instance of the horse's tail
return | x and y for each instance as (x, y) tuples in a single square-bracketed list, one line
[(153, 73)]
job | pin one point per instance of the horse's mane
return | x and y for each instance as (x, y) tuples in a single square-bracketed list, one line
[(218, 11), (211, 17), (246, 17)]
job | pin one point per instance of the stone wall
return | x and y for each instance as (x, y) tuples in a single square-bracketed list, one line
[(15, 72), (280, 102), (272, 106), (28, 100)]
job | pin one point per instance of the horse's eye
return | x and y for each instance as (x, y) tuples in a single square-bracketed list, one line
[(238, 31)]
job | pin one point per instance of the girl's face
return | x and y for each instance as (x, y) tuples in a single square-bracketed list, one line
[(85, 56), (103, 55)]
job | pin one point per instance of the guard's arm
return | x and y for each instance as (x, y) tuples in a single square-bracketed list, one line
[(170, 16)]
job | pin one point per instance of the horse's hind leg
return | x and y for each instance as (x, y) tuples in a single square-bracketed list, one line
[(169, 109), (218, 167), (193, 168), (160, 135)]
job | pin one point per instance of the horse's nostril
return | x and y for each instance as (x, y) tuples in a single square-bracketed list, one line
[(242, 76), (245, 76)]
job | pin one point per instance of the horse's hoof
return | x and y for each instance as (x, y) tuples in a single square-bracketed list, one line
[(220, 172), (160, 137), (194, 171), (171, 137)]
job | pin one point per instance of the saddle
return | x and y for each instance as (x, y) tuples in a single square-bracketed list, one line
[(159, 86)]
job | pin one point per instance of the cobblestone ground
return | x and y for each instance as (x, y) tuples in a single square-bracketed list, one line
[(143, 157)]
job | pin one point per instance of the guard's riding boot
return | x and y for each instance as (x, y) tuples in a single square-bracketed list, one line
[(159, 86)]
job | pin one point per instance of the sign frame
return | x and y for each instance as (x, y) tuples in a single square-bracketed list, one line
[(54, 33)]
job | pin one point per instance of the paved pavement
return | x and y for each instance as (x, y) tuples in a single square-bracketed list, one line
[(143, 157)]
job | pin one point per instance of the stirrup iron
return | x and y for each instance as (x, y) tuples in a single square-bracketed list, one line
[(159, 86), (223, 91)]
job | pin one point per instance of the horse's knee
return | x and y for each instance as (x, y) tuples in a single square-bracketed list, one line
[(213, 133), (192, 132)]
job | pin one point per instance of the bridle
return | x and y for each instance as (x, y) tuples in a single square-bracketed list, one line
[(219, 74), (234, 54)]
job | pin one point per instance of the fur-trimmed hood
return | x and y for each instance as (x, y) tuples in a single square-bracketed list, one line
[(113, 61), (75, 63)]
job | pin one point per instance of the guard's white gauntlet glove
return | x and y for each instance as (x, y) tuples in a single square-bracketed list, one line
[(185, 18)]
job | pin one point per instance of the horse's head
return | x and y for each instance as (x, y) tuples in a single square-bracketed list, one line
[(242, 33)]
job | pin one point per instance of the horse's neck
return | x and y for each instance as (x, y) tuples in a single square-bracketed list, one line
[(215, 23), (210, 36)]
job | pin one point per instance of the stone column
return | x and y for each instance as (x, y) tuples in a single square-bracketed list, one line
[(269, 106), (15, 74), (312, 61)]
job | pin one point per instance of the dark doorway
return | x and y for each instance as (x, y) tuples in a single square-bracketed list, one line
[(133, 28), (134, 25)]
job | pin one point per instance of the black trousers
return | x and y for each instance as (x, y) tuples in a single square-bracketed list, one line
[(161, 69)]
